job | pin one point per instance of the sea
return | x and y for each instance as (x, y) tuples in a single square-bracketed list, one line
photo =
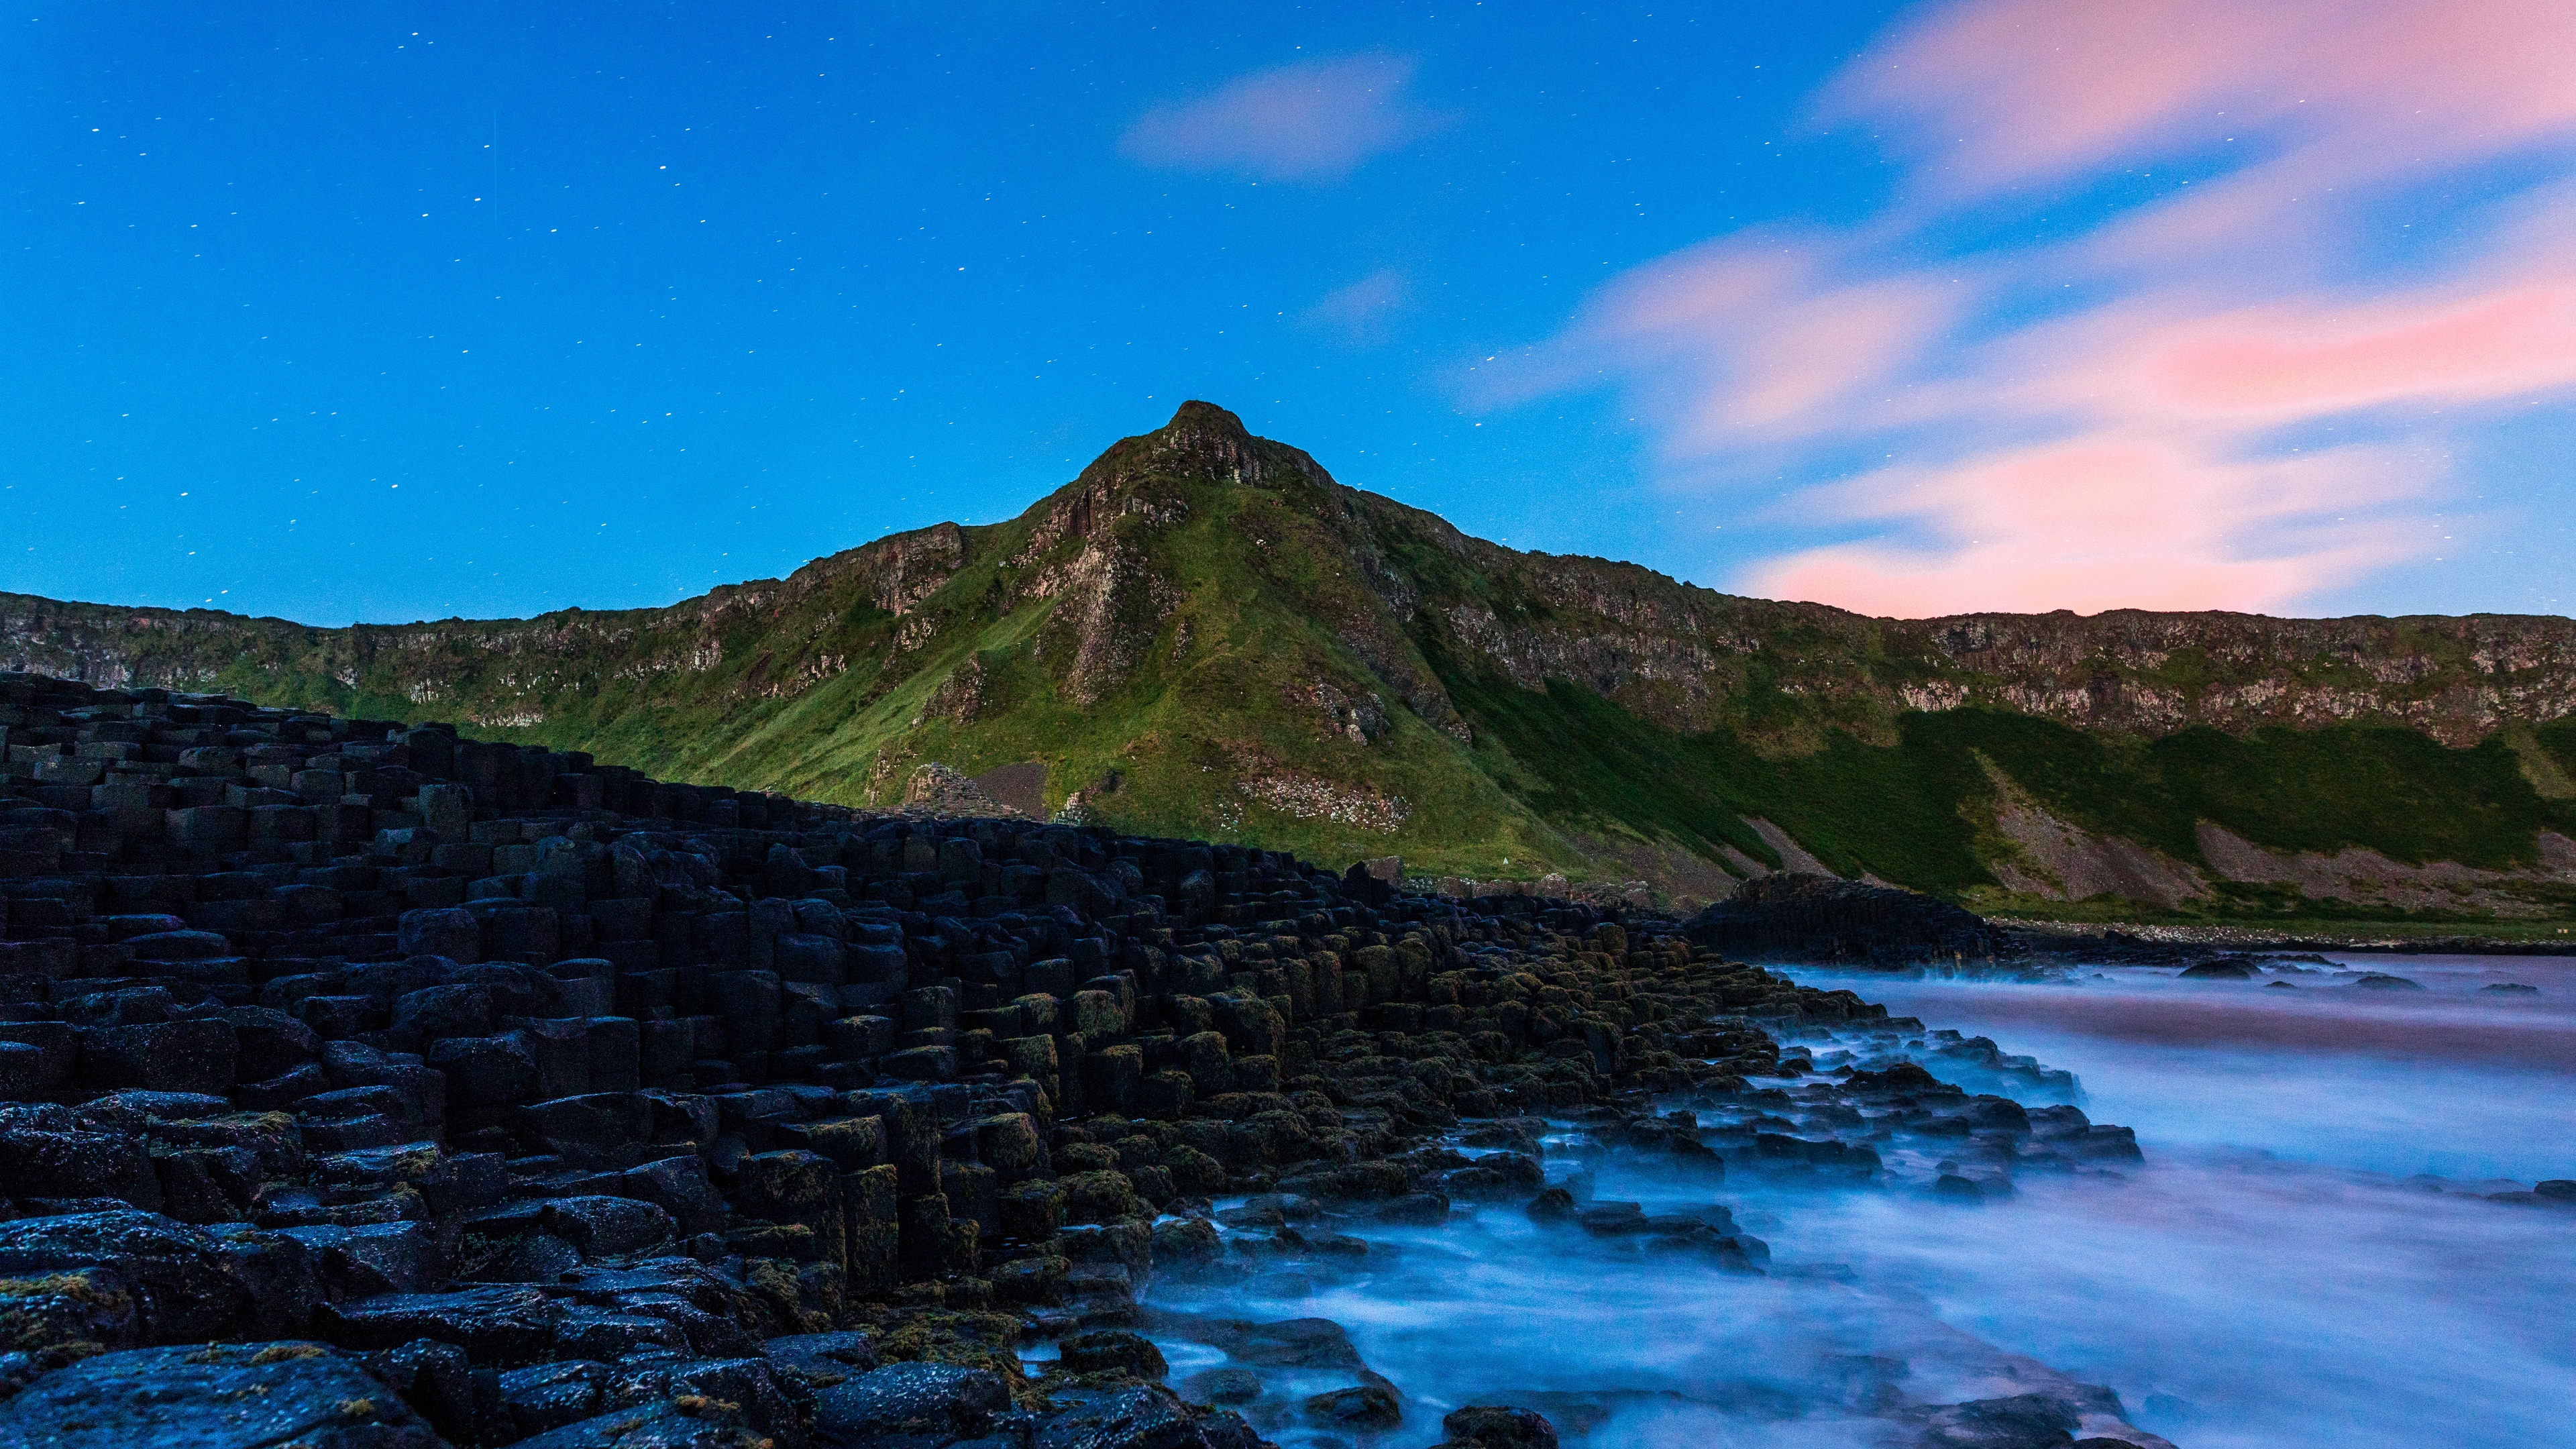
[(2331, 1240)]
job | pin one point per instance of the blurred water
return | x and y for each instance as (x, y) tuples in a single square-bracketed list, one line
[(2452, 1079), (2274, 1275)]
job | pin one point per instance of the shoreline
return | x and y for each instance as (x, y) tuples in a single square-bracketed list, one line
[(2362, 941)]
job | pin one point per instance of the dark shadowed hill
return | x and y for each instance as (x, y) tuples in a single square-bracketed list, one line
[(1204, 634)]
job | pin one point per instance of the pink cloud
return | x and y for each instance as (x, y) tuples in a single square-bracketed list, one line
[(1757, 337), (1312, 120), (2101, 522), (2010, 90), (2128, 449), (2506, 342)]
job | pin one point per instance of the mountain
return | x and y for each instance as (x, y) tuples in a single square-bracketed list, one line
[(1205, 634)]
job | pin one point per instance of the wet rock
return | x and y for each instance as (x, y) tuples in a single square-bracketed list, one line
[(1145, 1416), (689, 1422), (125, 1277), (1552, 1205), (1099, 1197), (1224, 1386), (1292, 1343), (220, 1396), (1611, 1219), (1113, 1350), (505, 1326), (1362, 1406), (38, 1163), (602, 1227), (549, 1396), (925, 1400), (2022, 1421), (1497, 1426), (824, 1358)]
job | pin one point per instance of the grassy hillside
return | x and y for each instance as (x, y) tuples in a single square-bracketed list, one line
[(1204, 634)]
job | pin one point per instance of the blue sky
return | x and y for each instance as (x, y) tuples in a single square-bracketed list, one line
[(377, 313)]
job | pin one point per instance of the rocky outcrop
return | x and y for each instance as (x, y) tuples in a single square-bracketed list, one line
[(1808, 918)]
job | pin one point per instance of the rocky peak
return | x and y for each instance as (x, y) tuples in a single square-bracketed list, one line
[(1205, 440), (1205, 426)]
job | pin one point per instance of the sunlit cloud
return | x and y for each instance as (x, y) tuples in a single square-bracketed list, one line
[(2126, 414), (2104, 522), (1999, 92), (1315, 120)]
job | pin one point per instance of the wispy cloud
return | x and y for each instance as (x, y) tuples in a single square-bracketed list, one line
[(1314, 120), (2155, 442), (1359, 312)]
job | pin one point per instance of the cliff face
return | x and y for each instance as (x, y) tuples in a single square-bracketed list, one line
[(1205, 633), (1686, 656)]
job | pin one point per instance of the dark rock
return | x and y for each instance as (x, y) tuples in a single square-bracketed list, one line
[(1791, 917), (1612, 1219), (2023, 1421), (921, 1399), (437, 1380), (133, 1278), (1497, 1426), (1904, 1077), (1552, 1205), (549, 1396), (504, 1326), (1144, 1416), (449, 932), (170, 1056), (1113, 1349), (691, 1422), (608, 1226), (216, 1396), (521, 1258), (1362, 1406), (268, 1042), (69, 1163), (361, 1261), (1224, 1386), (817, 1355)]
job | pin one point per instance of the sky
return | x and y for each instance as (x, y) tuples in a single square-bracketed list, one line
[(371, 312)]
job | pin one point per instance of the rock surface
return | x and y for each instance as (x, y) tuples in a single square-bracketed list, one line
[(381, 1086)]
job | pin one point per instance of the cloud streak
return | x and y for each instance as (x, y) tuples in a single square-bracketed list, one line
[(2154, 443), (1313, 121)]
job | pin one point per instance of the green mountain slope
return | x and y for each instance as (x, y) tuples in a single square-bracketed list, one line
[(1204, 634)]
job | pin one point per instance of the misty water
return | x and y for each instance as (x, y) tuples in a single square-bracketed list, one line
[(2310, 1254)]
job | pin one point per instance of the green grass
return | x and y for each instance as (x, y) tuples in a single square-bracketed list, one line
[(1913, 811)]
